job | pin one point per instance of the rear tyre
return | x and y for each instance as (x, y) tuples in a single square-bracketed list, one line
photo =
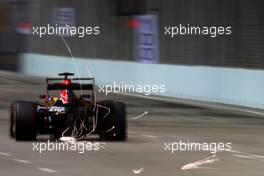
[(12, 121), (25, 123), (112, 127)]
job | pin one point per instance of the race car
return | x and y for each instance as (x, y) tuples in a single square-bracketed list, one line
[(68, 109)]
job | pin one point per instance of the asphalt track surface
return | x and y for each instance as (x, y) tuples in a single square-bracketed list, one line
[(145, 148)]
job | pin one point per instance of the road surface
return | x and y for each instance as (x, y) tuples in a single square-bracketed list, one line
[(145, 152)]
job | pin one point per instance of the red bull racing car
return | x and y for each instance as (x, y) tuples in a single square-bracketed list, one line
[(68, 109)]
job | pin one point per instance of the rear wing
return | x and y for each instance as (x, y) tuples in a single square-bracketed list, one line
[(73, 79), (76, 84)]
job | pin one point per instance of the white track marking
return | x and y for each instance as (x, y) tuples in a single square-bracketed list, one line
[(149, 136), (243, 156), (234, 151), (257, 156), (28, 162), (46, 169), (5, 154), (23, 161), (197, 164), (138, 171), (134, 118)]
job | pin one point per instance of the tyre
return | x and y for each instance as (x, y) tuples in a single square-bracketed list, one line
[(25, 123), (12, 121), (112, 127)]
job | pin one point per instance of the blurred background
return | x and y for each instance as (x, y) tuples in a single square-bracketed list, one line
[(197, 67)]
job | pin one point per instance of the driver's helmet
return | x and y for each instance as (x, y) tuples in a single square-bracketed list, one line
[(52, 100)]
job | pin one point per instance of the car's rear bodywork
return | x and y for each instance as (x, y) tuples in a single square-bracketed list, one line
[(73, 111)]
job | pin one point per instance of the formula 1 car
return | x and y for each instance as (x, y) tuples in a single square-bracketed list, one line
[(74, 113)]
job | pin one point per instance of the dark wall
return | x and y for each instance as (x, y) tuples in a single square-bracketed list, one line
[(114, 41), (244, 48)]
